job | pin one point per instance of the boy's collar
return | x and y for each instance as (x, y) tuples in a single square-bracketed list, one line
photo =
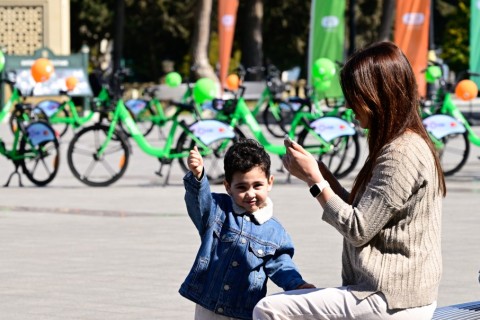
[(261, 215)]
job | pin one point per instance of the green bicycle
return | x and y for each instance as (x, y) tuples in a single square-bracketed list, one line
[(448, 128), (63, 115), (332, 139), (35, 147), (148, 112), (274, 111), (98, 155)]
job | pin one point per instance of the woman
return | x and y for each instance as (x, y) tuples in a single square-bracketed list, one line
[(391, 220)]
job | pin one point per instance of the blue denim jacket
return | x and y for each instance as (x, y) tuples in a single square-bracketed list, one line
[(236, 256)]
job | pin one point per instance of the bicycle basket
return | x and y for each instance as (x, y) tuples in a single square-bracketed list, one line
[(276, 85)]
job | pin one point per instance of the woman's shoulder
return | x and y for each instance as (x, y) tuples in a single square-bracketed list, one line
[(409, 150), (407, 143)]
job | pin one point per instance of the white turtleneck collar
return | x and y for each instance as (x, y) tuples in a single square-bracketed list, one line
[(261, 215)]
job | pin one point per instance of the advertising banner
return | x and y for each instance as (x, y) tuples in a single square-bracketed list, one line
[(475, 39), (327, 37), (412, 21), (227, 13)]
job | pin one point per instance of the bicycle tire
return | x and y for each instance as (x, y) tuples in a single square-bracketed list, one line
[(98, 172), (455, 152), (213, 163), (143, 121), (341, 159), (40, 161), (278, 126)]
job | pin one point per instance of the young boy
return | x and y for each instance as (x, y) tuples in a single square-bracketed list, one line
[(242, 245)]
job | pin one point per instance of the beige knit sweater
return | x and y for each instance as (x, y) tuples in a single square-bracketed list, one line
[(392, 232)]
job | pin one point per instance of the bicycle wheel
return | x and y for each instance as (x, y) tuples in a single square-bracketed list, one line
[(343, 155), (277, 118), (87, 166), (213, 163), (143, 118), (40, 150), (454, 153)]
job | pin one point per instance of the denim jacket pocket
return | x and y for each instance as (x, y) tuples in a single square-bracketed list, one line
[(259, 252), (226, 242), (262, 250)]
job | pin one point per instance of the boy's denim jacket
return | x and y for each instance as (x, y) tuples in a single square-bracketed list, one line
[(236, 256)]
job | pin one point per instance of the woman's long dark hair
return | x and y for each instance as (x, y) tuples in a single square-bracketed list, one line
[(378, 82)]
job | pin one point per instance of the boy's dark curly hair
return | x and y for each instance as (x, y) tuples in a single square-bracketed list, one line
[(244, 155)]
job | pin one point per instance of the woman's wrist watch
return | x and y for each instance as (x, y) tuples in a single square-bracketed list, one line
[(317, 188)]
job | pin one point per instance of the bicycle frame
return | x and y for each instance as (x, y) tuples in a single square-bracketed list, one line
[(75, 120), (242, 114), (449, 107), (121, 114), (12, 154), (265, 96)]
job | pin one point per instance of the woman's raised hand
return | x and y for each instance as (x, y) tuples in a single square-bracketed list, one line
[(301, 163)]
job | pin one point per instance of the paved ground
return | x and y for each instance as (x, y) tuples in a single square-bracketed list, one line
[(69, 251)]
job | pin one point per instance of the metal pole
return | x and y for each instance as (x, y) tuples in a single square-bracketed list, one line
[(352, 30), (431, 35), (118, 34)]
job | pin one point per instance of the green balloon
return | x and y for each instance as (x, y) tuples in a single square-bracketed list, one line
[(321, 85), (323, 69), (173, 79), (433, 73), (2, 61), (204, 90)]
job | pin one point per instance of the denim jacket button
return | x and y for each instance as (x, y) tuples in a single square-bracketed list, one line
[(235, 264), (226, 287), (243, 240), (260, 251), (247, 218), (220, 310)]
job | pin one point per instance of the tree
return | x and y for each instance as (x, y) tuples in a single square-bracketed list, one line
[(368, 14), (453, 32), (157, 36), (201, 36), (251, 40), (286, 29), (386, 22), (91, 21)]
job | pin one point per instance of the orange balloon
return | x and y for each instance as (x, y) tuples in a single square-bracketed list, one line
[(233, 82), (466, 90), (71, 82), (42, 69)]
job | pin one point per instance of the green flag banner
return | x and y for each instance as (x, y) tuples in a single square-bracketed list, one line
[(475, 39), (327, 37)]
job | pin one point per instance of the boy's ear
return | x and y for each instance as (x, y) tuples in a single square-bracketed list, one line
[(227, 187), (270, 183)]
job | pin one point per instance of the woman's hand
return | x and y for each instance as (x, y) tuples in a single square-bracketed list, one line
[(195, 162), (302, 164)]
